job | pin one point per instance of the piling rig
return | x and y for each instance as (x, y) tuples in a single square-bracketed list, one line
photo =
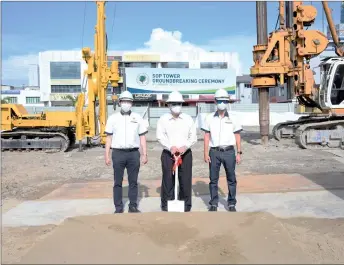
[(58, 131), (285, 58)]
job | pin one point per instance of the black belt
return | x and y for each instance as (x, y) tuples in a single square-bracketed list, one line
[(221, 149), (126, 149)]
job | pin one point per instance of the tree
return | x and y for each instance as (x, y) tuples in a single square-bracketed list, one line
[(5, 100), (71, 98)]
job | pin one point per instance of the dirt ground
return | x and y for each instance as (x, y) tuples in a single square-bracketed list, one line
[(29, 176), (178, 238)]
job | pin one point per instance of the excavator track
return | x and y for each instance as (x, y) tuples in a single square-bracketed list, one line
[(26, 140), (288, 129), (326, 134)]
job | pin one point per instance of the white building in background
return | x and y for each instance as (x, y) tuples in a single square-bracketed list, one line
[(61, 72), (33, 75), (246, 94), (29, 96)]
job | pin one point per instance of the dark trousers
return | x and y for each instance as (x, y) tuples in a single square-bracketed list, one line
[(227, 158), (184, 179), (131, 161)]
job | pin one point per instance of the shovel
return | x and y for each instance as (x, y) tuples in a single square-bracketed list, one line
[(176, 205)]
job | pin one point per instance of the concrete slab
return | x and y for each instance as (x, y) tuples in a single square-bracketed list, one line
[(317, 204), (151, 188)]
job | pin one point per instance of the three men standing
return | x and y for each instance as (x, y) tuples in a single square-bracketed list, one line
[(176, 132), (125, 133), (222, 134)]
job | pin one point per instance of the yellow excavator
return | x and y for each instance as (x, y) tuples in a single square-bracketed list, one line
[(58, 131), (284, 59)]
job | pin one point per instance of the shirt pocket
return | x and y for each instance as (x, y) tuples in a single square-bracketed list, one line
[(228, 126)]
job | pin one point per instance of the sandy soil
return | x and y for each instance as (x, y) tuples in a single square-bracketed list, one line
[(178, 238), (28, 176)]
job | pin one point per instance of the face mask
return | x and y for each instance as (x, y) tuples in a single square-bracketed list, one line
[(222, 106), (176, 109), (125, 107)]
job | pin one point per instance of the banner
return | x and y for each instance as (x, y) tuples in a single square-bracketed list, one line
[(186, 81)]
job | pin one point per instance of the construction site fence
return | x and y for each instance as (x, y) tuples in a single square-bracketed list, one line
[(152, 114)]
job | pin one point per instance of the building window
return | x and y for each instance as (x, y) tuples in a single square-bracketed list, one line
[(175, 65), (33, 100), (65, 88), (11, 100), (65, 70), (139, 64), (248, 85), (217, 65)]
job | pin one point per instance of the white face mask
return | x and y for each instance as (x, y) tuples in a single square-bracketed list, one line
[(221, 106), (176, 109), (125, 107)]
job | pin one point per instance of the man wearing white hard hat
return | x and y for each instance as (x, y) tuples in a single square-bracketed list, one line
[(126, 133), (176, 132), (222, 135)]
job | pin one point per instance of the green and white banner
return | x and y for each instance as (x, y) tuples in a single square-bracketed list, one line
[(186, 81)]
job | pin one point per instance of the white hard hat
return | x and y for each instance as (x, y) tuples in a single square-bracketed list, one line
[(221, 94), (126, 95), (175, 96)]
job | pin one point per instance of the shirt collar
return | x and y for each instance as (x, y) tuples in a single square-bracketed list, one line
[(171, 116), (217, 114), (123, 113)]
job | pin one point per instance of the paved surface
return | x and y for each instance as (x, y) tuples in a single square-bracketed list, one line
[(282, 195)]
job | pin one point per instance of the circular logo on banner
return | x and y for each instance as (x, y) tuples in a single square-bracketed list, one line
[(142, 79)]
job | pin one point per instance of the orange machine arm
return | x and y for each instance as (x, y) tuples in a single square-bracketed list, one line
[(98, 75), (339, 47), (272, 63)]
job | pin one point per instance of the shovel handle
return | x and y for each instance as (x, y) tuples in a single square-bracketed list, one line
[(176, 178)]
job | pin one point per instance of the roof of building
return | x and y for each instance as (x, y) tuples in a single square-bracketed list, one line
[(243, 79)]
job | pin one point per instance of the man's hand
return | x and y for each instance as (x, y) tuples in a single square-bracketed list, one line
[(182, 150), (107, 160), (207, 158), (144, 159), (238, 158), (173, 150)]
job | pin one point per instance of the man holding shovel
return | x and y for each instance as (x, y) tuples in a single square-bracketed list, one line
[(222, 134), (176, 132)]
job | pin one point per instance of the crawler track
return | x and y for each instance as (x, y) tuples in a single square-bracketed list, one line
[(30, 140), (326, 134)]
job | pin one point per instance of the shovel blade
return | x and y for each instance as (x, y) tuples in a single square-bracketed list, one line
[(175, 206)]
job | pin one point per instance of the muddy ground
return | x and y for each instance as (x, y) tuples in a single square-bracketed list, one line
[(29, 176)]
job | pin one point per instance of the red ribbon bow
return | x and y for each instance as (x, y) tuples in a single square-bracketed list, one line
[(178, 161)]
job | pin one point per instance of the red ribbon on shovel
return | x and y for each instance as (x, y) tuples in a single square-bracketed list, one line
[(178, 161)]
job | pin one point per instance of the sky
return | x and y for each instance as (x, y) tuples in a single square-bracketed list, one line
[(32, 27)]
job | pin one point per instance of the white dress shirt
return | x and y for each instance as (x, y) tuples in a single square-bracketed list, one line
[(125, 129), (176, 132), (221, 130)]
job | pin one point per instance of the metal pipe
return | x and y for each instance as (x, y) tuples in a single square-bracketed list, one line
[(290, 25), (262, 38), (281, 14)]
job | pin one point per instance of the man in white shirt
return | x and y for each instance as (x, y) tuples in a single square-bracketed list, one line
[(176, 132), (125, 133), (222, 134)]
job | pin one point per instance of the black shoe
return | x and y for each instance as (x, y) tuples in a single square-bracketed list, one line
[(164, 208), (133, 209), (213, 209), (187, 210), (231, 208), (119, 211)]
